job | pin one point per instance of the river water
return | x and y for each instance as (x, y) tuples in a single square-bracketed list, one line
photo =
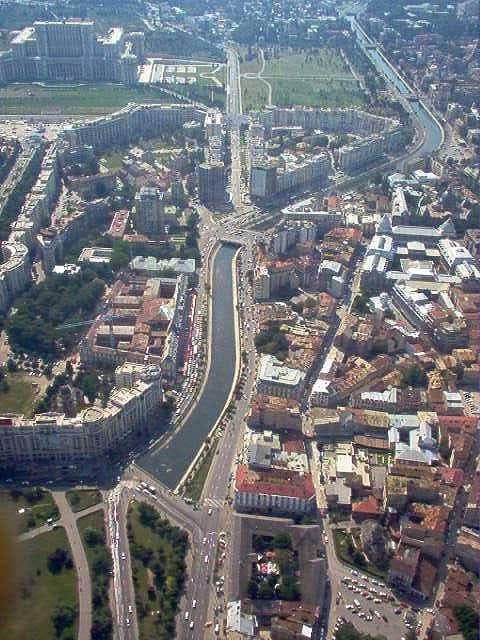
[(169, 463)]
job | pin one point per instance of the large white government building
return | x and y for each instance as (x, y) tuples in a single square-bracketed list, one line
[(70, 50)]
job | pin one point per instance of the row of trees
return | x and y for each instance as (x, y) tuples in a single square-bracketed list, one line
[(100, 570)]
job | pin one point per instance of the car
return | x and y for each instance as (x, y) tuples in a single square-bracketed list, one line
[(191, 625), (194, 604), (186, 616), (210, 511), (123, 555)]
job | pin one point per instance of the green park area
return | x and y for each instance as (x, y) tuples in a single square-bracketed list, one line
[(73, 99), (348, 551), (80, 499), (20, 392), (29, 507), (45, 604), (317, 77), (93, 534), (158, 552), (254, 94)]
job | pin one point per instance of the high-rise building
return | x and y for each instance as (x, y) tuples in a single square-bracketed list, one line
[(263, 180), (211, 183), (150, 214)]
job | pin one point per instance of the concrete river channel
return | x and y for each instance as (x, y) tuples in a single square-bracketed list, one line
[(169, 462)]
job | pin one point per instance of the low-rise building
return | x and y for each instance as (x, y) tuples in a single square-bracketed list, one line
[(273, 491), (274, 378)]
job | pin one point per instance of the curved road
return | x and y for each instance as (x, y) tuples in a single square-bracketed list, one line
[(169, 461)]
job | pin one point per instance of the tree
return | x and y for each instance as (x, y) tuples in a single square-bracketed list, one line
[(69, 369), (252, 589), (57, 560), (102, 565), (265, 591), (63, 616), (414, 376), (12, 366), (358, 559), (468, 621), (93, 536), (282, 541)]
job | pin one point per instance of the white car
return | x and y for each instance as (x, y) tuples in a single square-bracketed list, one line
[(194, 604)]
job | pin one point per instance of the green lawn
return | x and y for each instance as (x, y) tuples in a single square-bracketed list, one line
[(21, 395), (249, 64), (194, 487), (254, 94), (315, 78), (88, 99), (158, 569), (38, 506), (83, 498), (93, 534), (316, 92), (322, 62), (39, 592)]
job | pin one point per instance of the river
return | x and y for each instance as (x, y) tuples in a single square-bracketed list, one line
[(433, 131), (170, 462)]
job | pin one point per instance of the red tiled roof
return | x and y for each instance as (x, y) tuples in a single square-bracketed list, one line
[(452, 476), (274, 482), (367, 506), (291, 446)]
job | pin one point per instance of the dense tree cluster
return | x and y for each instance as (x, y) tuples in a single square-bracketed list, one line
[(468, 621), (414, 376), (272, 341), (167, 563), (34, 326), (283, 586)]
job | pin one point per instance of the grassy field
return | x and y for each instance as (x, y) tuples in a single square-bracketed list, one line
[(324, 62), (315, 93), (93, 534), (39, 591), (314, 78), (158, 572), (22, 394), (67, 99), (249, 65), (37, 505), (254, 94), (194, 488), (83, 498)]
